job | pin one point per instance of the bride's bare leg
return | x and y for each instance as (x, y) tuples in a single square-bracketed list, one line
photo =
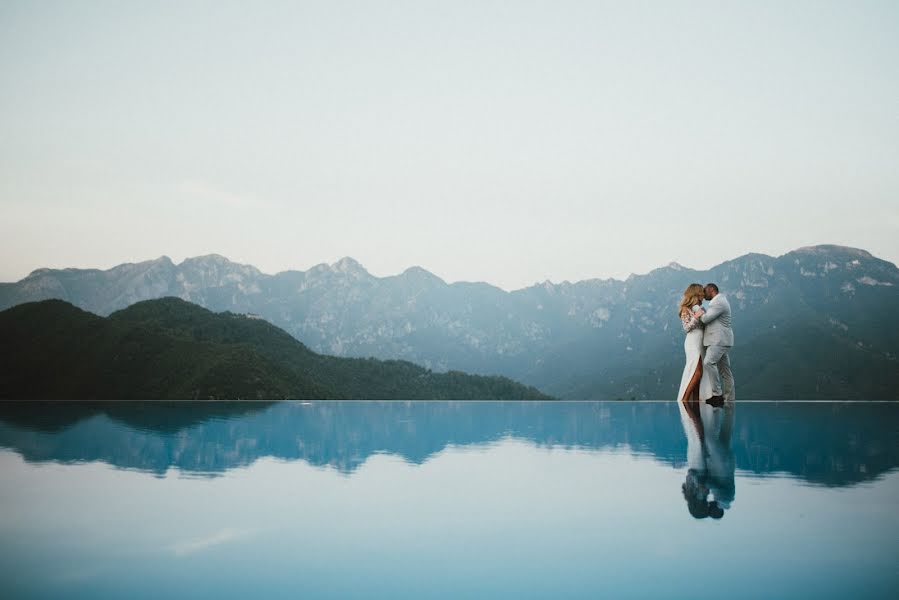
[(691, 394)]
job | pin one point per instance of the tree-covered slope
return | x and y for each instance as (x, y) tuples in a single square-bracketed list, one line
[(171, 349)]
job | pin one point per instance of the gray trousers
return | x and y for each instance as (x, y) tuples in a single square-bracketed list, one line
[(717, 363)]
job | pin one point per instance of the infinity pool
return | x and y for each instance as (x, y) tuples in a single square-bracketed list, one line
[(448, 500)]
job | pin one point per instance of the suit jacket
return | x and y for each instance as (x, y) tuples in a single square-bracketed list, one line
[(717, 323)]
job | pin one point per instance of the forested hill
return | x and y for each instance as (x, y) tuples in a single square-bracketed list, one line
[(172, 349)]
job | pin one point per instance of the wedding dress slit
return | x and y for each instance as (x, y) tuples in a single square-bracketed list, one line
[(692, 391)]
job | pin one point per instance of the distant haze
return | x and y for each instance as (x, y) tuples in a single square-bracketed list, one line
[(507, 142)]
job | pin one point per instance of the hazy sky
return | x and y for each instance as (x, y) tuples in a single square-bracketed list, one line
[(507, 142)]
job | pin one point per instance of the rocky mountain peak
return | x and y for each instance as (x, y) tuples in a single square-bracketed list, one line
[(161, 264), (420, 274), (39, 272), (349, 266), (206, 260), (826, 249), (218, 264)]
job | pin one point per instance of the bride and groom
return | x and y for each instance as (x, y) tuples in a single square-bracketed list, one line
[(707, 376)]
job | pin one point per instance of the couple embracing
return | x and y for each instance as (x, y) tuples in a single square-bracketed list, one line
[(707, 376)]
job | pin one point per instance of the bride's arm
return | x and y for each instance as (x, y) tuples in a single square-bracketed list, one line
[(690, 321)]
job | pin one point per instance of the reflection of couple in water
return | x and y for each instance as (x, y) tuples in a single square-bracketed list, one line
[(706, 401), (710, 458)]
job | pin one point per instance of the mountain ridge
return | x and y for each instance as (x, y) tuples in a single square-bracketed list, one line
[(338, 265), (585, 338)]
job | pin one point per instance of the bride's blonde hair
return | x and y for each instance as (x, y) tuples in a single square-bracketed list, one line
[(693, 295)]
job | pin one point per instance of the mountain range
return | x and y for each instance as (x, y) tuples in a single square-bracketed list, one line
[(814, 323)]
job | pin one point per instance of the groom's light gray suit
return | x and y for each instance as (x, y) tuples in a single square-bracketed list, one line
[(718, 339)]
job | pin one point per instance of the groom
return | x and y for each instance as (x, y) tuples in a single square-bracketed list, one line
[(717, 339)]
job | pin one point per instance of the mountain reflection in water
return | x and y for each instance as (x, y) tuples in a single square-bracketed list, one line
[(832, 444)]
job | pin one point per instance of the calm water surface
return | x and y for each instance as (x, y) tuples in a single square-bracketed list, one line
[(448, 500)]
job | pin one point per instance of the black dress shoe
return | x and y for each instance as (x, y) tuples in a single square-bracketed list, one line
[(716, 401)]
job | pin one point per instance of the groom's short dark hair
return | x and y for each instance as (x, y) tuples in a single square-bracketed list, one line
[(713, 286)]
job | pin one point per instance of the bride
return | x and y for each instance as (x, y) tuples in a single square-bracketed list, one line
[(694, 385)]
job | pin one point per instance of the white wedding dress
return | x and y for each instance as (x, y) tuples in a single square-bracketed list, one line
[(693, 351)]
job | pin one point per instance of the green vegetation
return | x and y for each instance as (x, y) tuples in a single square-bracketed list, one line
[(171, 349), (806, 360)]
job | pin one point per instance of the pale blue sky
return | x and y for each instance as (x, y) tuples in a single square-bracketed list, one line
[(508, 142)]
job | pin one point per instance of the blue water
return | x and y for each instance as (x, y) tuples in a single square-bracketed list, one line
[(448, 500)]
